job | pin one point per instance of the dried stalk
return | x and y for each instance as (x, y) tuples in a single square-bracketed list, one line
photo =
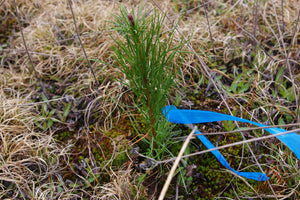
[(82, 47), (174, 167)]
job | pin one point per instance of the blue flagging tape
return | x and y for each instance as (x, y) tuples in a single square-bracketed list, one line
[(174, 115)]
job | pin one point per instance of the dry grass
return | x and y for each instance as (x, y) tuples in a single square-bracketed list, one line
[(245, 42), (30, 159)]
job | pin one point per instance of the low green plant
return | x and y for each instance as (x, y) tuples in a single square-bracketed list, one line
[(146, 55), (46, 119), (49, 116)]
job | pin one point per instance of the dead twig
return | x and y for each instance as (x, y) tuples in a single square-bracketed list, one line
[(239, 130), (27, 51), (2, 2), (68, 98), (255, 13), (174, 167), (233, 144), (209, 30), (82, 47), (282, 16)]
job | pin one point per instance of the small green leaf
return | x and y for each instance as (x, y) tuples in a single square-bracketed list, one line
[(50, 123)]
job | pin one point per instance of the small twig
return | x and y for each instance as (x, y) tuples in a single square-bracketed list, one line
[(177, 190), (2, 2), (255, 13), (233, 144), (15, 51), (82, 47), (37, 103), (155, 162), (239, 130), (27, 51), (174, 167), (209, 30), (282, 16)]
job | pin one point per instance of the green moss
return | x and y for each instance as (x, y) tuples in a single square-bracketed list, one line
[(120, 159)]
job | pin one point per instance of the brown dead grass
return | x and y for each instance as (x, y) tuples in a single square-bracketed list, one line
[(34, 163), (30, 159)]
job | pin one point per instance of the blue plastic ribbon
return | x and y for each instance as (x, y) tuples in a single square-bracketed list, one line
[(174, 115)]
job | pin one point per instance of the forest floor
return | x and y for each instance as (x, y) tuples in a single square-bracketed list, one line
[(67, 134)]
